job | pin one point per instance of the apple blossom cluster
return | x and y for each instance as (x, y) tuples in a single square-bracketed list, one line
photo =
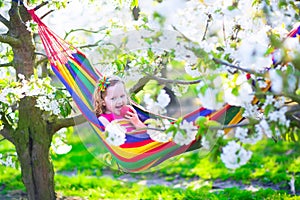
[(179, 90), (116, 134), (180, 132), (59, 145), (234, 155), (45, 93), (156, 128), (157, 106), (234, 90), (186, 133), (246, 138)]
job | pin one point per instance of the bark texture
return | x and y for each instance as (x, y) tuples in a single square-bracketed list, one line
[(33, 136)]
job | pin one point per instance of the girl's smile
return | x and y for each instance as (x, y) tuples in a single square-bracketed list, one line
[(116, 98)]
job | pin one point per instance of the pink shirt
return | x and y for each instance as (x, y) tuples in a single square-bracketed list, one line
[(110, 117), (125, 123)]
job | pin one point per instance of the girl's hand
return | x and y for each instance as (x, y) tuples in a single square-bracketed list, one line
[(133, 117)]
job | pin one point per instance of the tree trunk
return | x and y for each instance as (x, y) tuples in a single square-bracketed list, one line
[(32, 139), (32, 143)]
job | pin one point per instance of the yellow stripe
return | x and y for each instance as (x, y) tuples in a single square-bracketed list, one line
[(72, 83), (84, 72), (129, 152)]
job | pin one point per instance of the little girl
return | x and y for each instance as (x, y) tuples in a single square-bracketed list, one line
[(110, 98)]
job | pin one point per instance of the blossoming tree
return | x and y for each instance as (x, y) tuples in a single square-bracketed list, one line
[(226, 51), (31, 109)]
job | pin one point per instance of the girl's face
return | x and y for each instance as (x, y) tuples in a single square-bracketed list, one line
[(115, 98)]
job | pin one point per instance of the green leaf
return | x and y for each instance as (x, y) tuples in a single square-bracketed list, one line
[(235, 91), (134, 3), (203, 89), (177, 64), (171, 129), (200, 121), (212, 123)]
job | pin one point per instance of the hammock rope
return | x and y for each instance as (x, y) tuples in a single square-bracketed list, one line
[(140, 152)]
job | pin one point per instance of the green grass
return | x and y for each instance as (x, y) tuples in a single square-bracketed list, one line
[(106, 188), (271, 164)]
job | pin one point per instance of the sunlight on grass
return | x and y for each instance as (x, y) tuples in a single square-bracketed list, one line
[(10, 179), (79, 173), (106, 188)]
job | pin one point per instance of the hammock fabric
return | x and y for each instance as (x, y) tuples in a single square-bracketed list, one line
[(140, 152)]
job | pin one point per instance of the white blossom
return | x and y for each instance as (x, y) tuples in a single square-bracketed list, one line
[(291, 44), (58, 144), (277, 82), (205, 143), (292, 83), (268, 101), (234, 155), (252, 50), (192, 72), (245, 93), (244, 137), (158, 135), (160, 104), (186, 133), (209, 99), (116, 134), (262, 83), (163, 98), (7, 160), (21, 76), (279, 102), (279, 116), (220, 133), (263, 128), (179, 90), (59, 147)]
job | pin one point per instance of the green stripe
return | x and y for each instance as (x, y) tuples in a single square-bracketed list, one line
[(142, 162)]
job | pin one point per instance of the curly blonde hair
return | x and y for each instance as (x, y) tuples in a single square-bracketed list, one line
[(98, 97)]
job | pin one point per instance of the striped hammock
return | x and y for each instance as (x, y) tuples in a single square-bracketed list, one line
[(140, 152)]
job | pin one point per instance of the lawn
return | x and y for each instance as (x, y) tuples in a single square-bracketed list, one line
[(79, 174)]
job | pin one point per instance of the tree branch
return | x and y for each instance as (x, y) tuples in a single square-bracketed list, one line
[(84, 30), (222, 127), (9, 64), (41, 54), (181, 82), (10, 40), (294, 115), (139, 85), (184, 36), (4, 21), (67, 122), (47, 13), (41, 5), (206, 27), (91, 45), (294, 97), (235, 67), (5, 132)]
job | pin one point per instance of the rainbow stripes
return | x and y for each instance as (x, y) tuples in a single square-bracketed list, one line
[(140, 152)]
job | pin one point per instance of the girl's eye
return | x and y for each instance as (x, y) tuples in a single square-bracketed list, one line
[(122, 96), (113, 98)]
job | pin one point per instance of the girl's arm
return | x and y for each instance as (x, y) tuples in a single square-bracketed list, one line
[(133, 117), (103, 120)]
